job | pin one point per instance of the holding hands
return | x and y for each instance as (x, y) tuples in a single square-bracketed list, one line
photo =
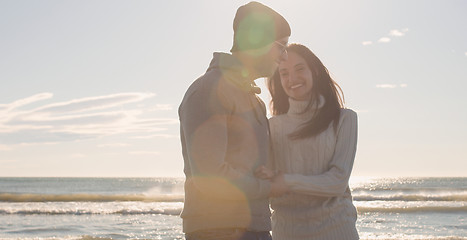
[(262, 172), (278, 185)]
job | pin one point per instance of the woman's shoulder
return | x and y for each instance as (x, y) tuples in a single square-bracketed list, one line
[(347, 114)]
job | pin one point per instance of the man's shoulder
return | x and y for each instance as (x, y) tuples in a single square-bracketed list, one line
[(209, 89), (206, 81), (203, 84)]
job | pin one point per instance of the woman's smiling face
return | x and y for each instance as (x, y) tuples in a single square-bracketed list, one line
[(296, 77)]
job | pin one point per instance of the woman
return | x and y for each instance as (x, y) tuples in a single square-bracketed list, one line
[(314, 143)]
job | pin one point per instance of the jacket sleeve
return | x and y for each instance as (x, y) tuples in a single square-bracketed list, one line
[(334, 182), (203, 120)]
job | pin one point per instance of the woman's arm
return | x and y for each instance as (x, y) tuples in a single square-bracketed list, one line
[(334, 182)]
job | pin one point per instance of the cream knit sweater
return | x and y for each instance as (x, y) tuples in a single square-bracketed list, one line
[(317, 170)]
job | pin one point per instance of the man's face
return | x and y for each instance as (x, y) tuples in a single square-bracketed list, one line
[(274, 53)]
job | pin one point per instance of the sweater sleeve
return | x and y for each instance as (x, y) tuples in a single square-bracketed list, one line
[(334, 182), (203, 122)]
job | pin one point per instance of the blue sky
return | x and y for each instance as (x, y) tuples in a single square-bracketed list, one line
[(91, 88)]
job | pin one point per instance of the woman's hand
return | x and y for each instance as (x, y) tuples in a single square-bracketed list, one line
[(263, 172), (278, 185)]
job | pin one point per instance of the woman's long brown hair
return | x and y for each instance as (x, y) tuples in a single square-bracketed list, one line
[(323, 85)]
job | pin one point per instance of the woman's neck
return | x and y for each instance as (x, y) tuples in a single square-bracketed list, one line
[(304, 109)]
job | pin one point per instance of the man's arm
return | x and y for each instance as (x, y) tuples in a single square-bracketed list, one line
[(203, 120)]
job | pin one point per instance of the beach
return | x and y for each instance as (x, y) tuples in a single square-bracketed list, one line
[(148, 208)]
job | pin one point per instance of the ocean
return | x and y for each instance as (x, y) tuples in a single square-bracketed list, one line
[(148, 208)]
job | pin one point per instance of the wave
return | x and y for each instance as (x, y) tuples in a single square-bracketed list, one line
[(457, 197), (408, 237), (411, 209), (177, 211), (418, 237), (427, 237), (175, 208), (173, 212), (8, 197)]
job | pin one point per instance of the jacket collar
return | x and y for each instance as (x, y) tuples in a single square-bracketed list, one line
[(233, 71)]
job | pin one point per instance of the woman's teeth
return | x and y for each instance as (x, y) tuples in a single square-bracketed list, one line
[(296, 86)]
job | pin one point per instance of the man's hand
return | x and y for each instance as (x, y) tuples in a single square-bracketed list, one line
[(263, 172)]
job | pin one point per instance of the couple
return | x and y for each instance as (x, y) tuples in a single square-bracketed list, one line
[(237, 161)]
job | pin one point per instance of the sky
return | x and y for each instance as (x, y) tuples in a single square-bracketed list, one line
[(92, 88)]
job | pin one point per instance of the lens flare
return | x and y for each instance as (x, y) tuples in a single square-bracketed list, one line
[(255, 31)]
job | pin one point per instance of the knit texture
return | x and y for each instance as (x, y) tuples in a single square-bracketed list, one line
[(317, 170)]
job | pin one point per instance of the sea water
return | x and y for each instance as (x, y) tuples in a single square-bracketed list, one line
[(148, 208)]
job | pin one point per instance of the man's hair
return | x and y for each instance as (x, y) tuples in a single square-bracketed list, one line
[(256, 25)]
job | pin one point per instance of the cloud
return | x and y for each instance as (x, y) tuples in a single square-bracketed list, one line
[(77, 155), (162, 107), (5, 161), (25, 101), (78, 119), (391, 86), (465, 53), (384, 40), (5, 147), (111, 145), (144, 153), (386, 86), (157, 121), (94, 103), (398, 33), (43, 136), (156, 136), (68, 120)]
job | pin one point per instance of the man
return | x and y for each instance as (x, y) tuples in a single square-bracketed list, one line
[(225, 136)]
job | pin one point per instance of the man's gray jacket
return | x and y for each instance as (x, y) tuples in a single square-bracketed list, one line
[(225, 136)]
